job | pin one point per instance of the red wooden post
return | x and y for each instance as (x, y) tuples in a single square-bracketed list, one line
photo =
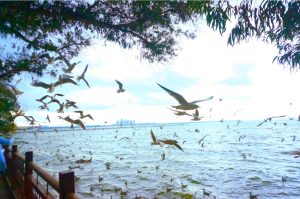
[(27, 175), (66, 183)]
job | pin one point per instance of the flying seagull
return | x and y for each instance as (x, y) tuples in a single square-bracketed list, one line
[(70, 120), (48, 118), (63, 79), (161, 142), (84, 116), (270, 119), (120, 89), (81, 77), (154, 141), (180, 113), (196, 116), (70, 66), (184, 105), (41, 84)]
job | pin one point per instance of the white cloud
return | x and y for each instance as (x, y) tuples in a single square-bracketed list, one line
[(102, 96), (111, 62), (198, 72)]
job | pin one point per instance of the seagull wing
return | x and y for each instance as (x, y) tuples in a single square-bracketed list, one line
[(54, 100), (48, 118), (83, 73), (172, 142), (42, 98), (120, 84), (202, 139), (80, 112), (261, 123), (153, 136), (58, 94), (180, 112), (177, 96), (202, 100), (86, 82), (178, 146), (85, 69), (65, 76), (79, 122), (277, 116), (40, 84), (66, 80), (89, 116)]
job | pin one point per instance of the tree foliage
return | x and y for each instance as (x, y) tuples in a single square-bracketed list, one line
[(38, 31), (42, 37), (276, 22), (8, 104)]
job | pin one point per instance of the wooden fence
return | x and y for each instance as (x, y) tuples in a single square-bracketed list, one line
[(28, 180)]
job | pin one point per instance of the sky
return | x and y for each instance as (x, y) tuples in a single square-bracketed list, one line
[(249, 85)]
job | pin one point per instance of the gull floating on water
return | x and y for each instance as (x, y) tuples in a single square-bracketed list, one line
[(184, 105), (120, 89)]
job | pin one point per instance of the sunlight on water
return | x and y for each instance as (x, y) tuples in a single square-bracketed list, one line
[(231, 161)]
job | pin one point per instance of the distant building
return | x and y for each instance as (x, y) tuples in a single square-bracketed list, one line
[(125, 122)]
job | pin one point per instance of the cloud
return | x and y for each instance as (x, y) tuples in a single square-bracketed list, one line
[(111, 62), (240, 77), (243, 76), (101, 97)]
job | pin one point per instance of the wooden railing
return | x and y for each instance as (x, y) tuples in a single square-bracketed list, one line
[(28, 180)]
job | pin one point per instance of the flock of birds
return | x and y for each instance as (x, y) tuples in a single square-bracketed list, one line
[(180, 110), (66, 78), (159, 142)]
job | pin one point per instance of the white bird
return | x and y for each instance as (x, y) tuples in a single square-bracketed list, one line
[(70, 120), (70, 66), (120, 89), (41, 84), (81, 77), (183, 104), (63, 79)]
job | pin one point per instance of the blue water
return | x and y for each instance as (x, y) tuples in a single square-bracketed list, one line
[(233, 160)]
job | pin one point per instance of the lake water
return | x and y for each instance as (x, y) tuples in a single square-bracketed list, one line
[(234, 158)]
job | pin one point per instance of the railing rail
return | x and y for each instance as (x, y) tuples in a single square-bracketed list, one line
[(24, 184)]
